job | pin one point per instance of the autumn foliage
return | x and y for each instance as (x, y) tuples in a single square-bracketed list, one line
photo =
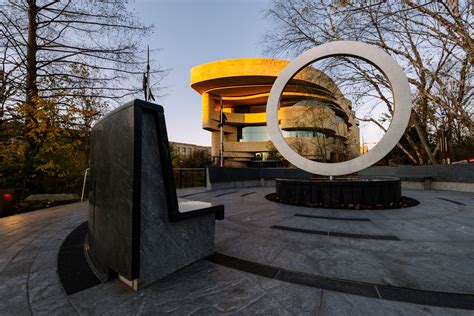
[(62, 65)]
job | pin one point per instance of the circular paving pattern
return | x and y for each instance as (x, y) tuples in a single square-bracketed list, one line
[(270, 259)]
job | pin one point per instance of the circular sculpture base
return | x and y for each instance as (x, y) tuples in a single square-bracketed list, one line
[(376, 193)]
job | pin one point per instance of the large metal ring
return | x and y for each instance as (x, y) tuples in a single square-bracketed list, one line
[(401, 96)]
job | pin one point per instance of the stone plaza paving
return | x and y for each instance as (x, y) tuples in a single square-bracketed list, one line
[(429, 247)]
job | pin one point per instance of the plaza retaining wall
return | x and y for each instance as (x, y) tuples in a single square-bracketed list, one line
[(459, 177), (226, 178)]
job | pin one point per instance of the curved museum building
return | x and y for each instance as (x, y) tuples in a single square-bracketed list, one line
[(316, 119)]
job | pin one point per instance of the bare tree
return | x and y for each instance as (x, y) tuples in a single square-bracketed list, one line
[(7, 87), (67, 52), (318, 136), (430, 40)]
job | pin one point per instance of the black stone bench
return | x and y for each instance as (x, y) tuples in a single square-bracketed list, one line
[(342, 193), (137, 227)]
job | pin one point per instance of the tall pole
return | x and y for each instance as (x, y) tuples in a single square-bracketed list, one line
[(147, 93), (222, 137)]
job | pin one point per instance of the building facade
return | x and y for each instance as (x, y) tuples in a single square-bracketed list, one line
[(185, 150), (316, 119)]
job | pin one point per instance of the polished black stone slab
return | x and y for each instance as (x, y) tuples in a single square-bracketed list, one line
[(249, 193), (113, 236), (356, 219), (192, 194), (380, 291), (335, 234), (452, 201), (137, 228), (73, 270), (226, 193), (340, 193)]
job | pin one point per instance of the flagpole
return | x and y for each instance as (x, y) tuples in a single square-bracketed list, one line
[(222, 137), (148, 73)]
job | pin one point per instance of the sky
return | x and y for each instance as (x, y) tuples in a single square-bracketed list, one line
[(193, 32)]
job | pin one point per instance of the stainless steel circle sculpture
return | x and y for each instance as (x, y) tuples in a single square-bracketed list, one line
[(401, 97)]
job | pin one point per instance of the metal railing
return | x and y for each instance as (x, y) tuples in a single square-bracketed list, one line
[(189, 177), (183, 177)]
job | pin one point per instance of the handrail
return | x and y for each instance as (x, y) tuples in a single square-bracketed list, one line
[(84, 184)]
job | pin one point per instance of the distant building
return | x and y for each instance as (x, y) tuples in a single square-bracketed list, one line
[(316, 119), (185, 150)]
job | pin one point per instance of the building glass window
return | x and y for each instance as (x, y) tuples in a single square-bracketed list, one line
[(253, 134), (260, 134), (302, 133), (250, 109)]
